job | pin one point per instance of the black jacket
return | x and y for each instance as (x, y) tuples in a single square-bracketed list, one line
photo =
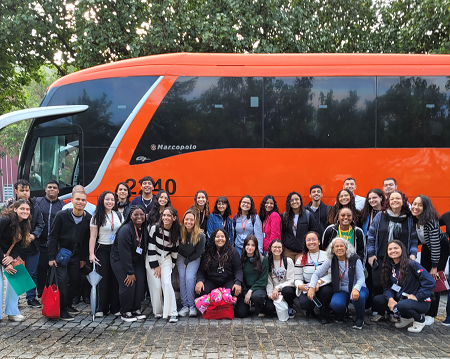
[(332, 232), (232, 271), (295, 242), (65, 233), (49, 210), (124, 247), (321, 215)]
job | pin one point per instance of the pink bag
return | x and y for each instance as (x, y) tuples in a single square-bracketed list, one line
[(202, 303)]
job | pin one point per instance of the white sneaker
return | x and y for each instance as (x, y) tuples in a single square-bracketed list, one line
[(158, 316), (99, 314), (416, 327), (118, 314), (183, 312), (429, 320), (16, 318), (404, 322), (173, 319), (193, 311)]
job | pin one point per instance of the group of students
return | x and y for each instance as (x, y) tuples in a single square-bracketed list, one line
[(360, 249)]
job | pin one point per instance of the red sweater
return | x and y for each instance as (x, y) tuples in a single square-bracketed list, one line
[(271, 229)]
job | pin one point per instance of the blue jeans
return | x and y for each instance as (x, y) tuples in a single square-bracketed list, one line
[(11, 300), (31, 264), (239, 250), (340, 300), (187, 280)]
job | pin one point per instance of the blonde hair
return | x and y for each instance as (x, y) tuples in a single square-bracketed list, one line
[(195, 235)]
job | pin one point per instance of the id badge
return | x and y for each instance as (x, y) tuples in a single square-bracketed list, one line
[(264, 235), (396, 287), (112, 237), (139, 250)]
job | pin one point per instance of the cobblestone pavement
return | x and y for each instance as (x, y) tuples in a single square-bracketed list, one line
[(109, 337)]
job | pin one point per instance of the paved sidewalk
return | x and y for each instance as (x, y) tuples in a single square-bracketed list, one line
[(109, 337)]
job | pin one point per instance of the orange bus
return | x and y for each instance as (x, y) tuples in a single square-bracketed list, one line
[(236, 124)]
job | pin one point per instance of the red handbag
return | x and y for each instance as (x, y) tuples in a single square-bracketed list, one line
[(221, 310), (50, 296), (441, 283)]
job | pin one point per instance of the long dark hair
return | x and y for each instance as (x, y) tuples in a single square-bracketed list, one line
[(306, 249), (257, 262), (21, 229), (367, 209), (195, 205), (270, 254), (174, 232), (225, 252), (227, 212), (429, 212), (405, 205), (386, 270), (262, 208), (99, 217), (334, 210), (117, 197), (154, 216), (251, 211), (289, 213)]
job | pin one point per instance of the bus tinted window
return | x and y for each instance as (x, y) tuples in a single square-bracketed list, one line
[(413, 112), (203, 113), (319, 112)]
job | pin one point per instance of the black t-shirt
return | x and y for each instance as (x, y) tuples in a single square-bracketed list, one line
[(444, 220)]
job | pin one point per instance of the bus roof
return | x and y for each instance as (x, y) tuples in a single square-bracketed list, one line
[(252, 65)]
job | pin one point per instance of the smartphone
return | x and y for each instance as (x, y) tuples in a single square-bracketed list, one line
[(317, 302), (375, 264)]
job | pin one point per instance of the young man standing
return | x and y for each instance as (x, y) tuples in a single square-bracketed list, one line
[(318, 208), (350, 184), (147, 198), (71, 231), (30, 254), (389, 185), (49, 206), (90, 208)]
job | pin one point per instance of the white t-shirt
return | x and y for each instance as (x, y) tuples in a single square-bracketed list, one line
[(107, 232)]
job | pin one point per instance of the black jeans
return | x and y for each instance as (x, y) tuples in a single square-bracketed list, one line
[(108, 287), (68, 281), (407, 308), (42, 270), (288, 294), (131, 296), (324, 295), (242, 310)]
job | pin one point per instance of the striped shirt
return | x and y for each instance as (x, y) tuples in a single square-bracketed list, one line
[(432, 238), (159, 248), (303, 274)]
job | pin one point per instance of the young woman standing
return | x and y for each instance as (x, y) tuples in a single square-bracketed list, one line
[(434, 253), (271, 221), (15, 227), (246, 223), (123, 194), (220, 218), (161, 259), (344, 198), (162, 202), (190, 249), (103, 227), (201, 209), (375, 200)]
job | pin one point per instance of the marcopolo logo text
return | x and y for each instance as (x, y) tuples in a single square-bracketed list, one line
[(173, 147)]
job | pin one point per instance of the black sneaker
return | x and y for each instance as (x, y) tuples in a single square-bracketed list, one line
[(138, 315), (339, 318), (64, 315), (34, 303), (76, 300), (128, 317), (358, 324), (72, 310)]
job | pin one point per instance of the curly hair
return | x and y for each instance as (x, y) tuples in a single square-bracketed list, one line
[(197, 209), (428, 214), (306, 249), (251, 211), (195, 235), (367, 207), (350, 249), (155, 215), (133, 208), (21, 229), (174, 232), (99, 217), (289, 213), (262, 208), (270, 254), (224, 200), (225, 252), (333, 211), (386, 270), (257, 261), (405, 205)]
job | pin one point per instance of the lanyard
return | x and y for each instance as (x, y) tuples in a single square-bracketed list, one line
[(201, 215), (342, 274), (314, 262), (394, 274), (244, 225), (111, 222), (137, 236)]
